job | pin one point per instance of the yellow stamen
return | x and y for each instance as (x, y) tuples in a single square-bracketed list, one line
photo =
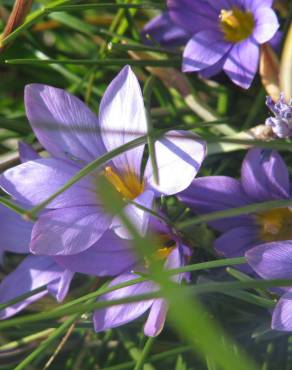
[(163, 253), (275, 224), (127, 184), (237, 25), (167, 246)]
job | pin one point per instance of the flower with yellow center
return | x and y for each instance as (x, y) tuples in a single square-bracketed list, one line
[(225, 35), (236, 24)]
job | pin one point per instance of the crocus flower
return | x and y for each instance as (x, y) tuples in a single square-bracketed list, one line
[(74, 136), (282, 122), (110, 255), (264, 177), (221, 35), (175, 255), (274, 261)]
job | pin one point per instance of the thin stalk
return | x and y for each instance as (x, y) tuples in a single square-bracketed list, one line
[(153, 358), (144, 355), (219, 287), (9, 204), (148, 89), (232, 212), (22, 297), (25, 340), (80, 7), (46, 343), (108, 62)]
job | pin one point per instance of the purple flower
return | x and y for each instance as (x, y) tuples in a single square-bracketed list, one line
[(282, 122), (163, 30), (264, 177), (110, 255), (175, 255), (222, 35), (74, 136), (274, 261)]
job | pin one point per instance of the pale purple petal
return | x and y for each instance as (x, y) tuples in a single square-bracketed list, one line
[(138, 217), (158, 311), (214, 69), (264, 175), (204, 50), (216, 193), (164, 31), (237, 241), (282, 315), (242, 62), (63, 124), (272, 260), (266, 24), (177, 258), (192, 16), (156, 318), (34, 181), (33, 272), (253, 5), (114, 316), (111, 255), (15, 232), (69, 230), (26, 152), (60, 288), (157, 226), (179, 155), (123, 118)]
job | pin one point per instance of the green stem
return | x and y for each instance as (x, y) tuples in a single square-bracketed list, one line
[(22, 297), (46, 343), (189, 268), (153, 358), (232, 212), (149, 85), (109, 62), (217, 287), (80, 7), (7, 203), (25, 340), (146, 350)]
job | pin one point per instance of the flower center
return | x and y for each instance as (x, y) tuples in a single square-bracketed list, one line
[(236, 25), (167, 244), (127, 184), (275, 224)]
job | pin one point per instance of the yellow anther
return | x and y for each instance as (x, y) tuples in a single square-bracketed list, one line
[(275, 224), (127, 184), (236, 25), (163, 253)]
